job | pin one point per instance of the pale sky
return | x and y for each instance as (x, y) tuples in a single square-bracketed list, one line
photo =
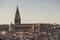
[(31, 11)]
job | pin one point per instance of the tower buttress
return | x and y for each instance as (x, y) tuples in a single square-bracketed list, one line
[(17, 17)]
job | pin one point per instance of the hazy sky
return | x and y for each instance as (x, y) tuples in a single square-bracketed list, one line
[(31, 11)]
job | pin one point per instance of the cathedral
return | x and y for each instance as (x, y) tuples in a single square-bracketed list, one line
[(17, 26), (35, 31)]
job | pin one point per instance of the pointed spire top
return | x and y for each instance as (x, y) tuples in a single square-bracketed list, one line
[(17, 10), (17, 7)]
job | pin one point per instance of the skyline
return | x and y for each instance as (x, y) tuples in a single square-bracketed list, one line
[(31, 11)]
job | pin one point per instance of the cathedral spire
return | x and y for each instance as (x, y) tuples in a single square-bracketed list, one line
[(17, 11), (17, 17)]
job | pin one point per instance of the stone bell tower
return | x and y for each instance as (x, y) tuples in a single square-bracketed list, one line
[(17, 17)]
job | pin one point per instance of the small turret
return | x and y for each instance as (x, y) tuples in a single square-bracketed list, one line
[(10, 27)]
